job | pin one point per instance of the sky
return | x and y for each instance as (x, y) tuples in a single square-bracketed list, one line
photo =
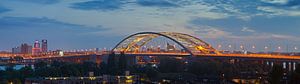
[(81, 24)]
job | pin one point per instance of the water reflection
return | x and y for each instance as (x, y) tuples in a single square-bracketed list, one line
[(16, 67)]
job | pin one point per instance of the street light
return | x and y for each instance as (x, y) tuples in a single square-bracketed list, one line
[(242, 47), (295, 48), (266, 48), (219, 46), (253, 47), (229, 46), (279, 48)]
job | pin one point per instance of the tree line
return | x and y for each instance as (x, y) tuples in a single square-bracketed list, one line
[(170, 68)]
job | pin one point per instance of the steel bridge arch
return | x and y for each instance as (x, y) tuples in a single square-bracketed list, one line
[(184, 40)]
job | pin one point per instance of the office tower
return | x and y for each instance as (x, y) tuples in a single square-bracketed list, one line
[(44, 45), (36, 48), (25, 48), (16, 50), (22, 49)]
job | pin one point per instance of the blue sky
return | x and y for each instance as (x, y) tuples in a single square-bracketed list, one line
[(77, 24)]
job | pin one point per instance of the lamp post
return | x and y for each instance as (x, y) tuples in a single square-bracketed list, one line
[(253, 47), (229, 47), (242, 47), (219, 46), (266, 49), (279, 49)]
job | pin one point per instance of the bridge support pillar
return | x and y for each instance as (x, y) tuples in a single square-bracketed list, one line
[(285, 65), (290, 66), (294, 66), (271, 63)]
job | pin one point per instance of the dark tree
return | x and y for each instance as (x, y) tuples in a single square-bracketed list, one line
[(204, 68), (104, 68), (40, 65), (276, 74), (122, 63), (112, 64), (150, 71), (57, 63), (71, 69), (90, 67), (1, 77), (295, 76), (10, 75), (42, 72), (26, 72), (170, 65)]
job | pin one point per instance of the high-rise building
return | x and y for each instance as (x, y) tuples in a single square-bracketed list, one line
[(26, 49), (36, 44), (22, 49), (16, 50), (44, 45), (36, 48)]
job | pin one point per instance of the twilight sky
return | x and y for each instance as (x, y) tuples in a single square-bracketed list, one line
[(80, 24)]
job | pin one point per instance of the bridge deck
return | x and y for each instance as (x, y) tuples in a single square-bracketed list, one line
[(225, 56), (253, 56)]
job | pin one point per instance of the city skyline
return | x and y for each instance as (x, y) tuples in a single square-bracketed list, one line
[(87, 24), (149, 41)]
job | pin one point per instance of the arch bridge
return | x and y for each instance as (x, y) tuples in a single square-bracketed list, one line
[(192, 45)]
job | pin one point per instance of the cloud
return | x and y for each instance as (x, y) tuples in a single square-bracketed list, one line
[(280, 8), (98, 5), (3, 9), (281, 25), (44, 24), (283, 3), (156, 3), (276, 1), (40, 1), (265, 36), (246, 29), (178, 12), (16, 30), (294, 3), (283, 36), (208, 31), (246, 10), (275, 11), (211, 31)]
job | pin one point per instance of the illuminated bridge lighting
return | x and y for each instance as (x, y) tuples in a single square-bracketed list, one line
[(135, 45)]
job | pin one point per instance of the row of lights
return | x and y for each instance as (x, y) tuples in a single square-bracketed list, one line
[(65, 78), (81, 50), (253, 47)]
